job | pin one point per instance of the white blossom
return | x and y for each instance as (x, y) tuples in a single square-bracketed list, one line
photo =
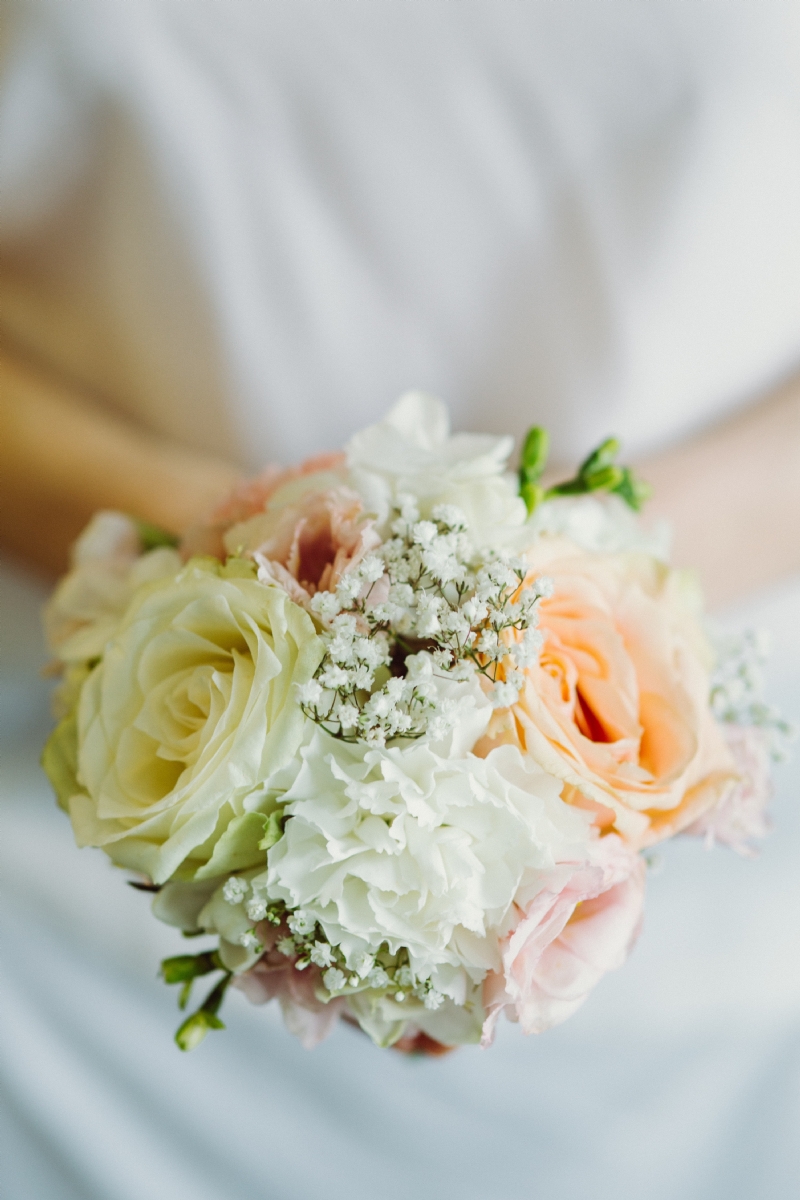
[(333, 979), (301, 923), (321, 954), (249, 941), (256, 908), (235, 889)]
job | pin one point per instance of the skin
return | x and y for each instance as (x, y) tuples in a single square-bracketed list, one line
[(732, 493)]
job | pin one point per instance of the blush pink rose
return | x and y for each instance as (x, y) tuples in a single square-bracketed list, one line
[(275, 977), (739, 816), (308, 545), (253, 495), (618, 704), (580, 925)]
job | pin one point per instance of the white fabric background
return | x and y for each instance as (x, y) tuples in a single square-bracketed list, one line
[(254, 224), (251, 225)]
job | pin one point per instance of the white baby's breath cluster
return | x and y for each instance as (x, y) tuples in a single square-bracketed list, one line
[(738, 685), (303, 941), (420, 607)]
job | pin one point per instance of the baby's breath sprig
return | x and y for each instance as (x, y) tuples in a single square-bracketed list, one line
[(304, 941), (737, 689), (423, 606)]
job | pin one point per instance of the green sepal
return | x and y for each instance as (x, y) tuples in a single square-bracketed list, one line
[(273, 830), (60, 760), (152, 536)]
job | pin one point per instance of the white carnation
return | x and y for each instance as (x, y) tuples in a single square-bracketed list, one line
[(411, 849), (412, 461)]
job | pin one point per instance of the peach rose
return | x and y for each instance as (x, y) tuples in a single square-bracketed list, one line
[(580, 925), (618, 704)]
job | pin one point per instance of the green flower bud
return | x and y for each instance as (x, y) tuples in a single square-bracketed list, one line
[(603, 456), (195, 1028), (532, 494), (534, 454), (604, 479)]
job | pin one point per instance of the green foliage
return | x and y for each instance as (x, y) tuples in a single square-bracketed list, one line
[(597, 473), (184, 969), (532, 463), (152, 536), (195, 1028), (238, 848), (273, 830)]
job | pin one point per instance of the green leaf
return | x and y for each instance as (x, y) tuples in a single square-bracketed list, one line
[(238, 848), (273, 830), (60, 760), (152, 536)]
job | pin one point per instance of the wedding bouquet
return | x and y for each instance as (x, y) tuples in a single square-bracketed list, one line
[(397, 728)]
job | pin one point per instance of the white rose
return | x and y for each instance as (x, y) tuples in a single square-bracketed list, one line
[(412, 451), (189, 712), (404, 847)]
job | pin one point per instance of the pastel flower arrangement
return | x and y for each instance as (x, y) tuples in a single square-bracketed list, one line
[(397, 729)]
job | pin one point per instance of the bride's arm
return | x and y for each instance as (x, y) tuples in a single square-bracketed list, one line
[(62, 458), (732, 495)]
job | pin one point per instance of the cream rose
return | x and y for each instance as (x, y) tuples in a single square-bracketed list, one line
[(107, 567), (618, 704), (186, 717)]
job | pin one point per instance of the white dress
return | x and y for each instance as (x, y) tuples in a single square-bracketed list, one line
[(250, 226)]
